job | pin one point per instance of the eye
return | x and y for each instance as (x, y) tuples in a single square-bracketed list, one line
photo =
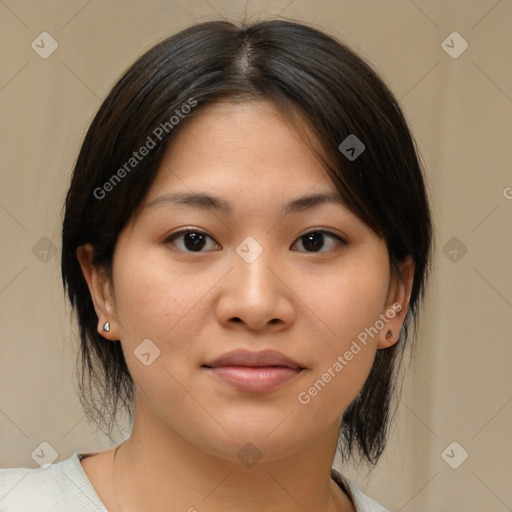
[(315, 240), (193, 240)]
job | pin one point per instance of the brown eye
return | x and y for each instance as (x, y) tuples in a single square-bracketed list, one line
[(192, 240), (314, 241)]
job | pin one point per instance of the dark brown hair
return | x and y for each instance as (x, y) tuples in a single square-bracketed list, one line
[(302, 70)]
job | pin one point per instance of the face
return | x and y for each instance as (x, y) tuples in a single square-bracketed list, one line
[(192, 282)]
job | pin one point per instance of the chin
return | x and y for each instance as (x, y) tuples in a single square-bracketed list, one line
[(260, 440), (251, 450)]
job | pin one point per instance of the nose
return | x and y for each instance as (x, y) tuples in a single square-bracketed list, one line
[(256, 294)]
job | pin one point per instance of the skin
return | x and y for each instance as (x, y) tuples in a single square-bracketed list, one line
[(194, 306)]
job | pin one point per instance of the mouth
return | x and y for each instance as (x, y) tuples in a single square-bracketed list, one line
[(254, 371)]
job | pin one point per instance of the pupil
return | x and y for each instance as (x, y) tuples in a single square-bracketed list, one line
[(314, 240), (194, 240)]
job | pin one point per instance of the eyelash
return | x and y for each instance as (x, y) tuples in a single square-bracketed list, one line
[(171, 238)]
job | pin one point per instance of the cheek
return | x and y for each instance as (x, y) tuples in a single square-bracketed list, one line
[(348, 300), (152, 296), (159, 302), (349, 306)]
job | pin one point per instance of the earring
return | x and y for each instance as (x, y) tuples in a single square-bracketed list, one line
[(106, 327), (389, 335)]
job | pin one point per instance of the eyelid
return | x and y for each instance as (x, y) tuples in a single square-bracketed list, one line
[(332, 234), (184, 231), (326, 231)]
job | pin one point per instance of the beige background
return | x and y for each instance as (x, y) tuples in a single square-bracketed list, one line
[(460, 111)]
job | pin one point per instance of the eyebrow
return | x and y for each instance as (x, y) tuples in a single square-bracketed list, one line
[(209, 202)]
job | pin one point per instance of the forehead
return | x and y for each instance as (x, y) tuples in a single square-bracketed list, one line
[(229, 147)]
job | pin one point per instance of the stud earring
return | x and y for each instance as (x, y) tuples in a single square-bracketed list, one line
[(389, 335), (106, 327)]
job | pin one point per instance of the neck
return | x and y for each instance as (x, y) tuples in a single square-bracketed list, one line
[(156, 469)]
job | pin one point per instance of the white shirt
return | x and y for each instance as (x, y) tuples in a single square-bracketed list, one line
[(64, 487)]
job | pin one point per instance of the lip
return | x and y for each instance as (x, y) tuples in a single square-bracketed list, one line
[(254, 371), (248, 358)]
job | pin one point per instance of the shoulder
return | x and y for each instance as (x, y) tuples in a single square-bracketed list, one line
[(362, 503), (62, 486)]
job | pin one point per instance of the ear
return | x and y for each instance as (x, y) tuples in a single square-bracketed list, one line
[(397, 303), (100, 288)]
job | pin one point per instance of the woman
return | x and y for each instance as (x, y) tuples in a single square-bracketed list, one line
[(246, 239)]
